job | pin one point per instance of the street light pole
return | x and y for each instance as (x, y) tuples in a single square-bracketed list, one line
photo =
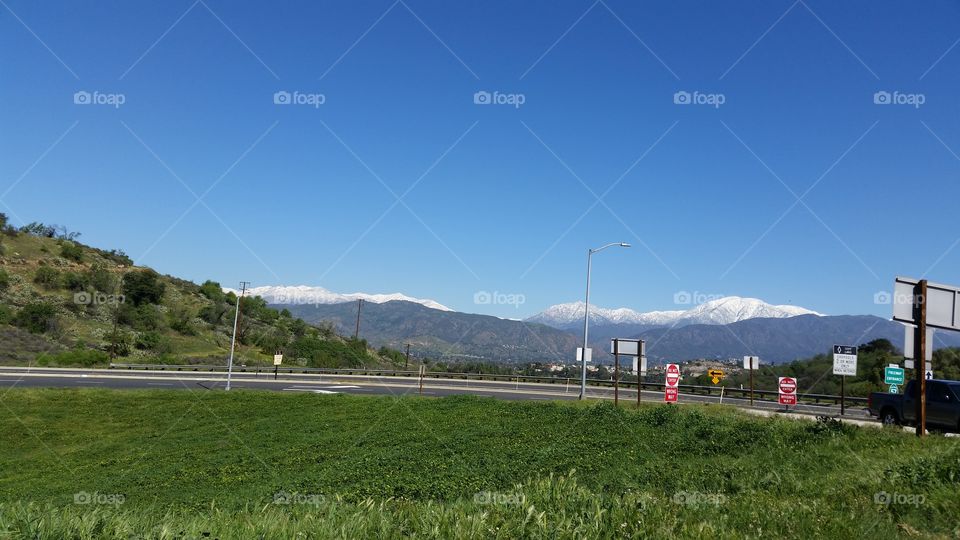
[(586, 317)]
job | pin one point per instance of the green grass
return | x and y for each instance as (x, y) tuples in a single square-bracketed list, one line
[(175, 464)]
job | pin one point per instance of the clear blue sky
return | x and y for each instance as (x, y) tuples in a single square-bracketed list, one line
[(496, 197)]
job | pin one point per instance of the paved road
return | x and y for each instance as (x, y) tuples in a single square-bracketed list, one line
[(351, 384)]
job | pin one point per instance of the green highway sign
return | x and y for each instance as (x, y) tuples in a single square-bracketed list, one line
[(893, 375), (894, 389)]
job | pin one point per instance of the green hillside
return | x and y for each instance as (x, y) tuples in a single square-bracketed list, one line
[(65, 303)]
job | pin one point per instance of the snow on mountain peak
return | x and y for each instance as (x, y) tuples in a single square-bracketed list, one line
[(725, 310), (305, 294)]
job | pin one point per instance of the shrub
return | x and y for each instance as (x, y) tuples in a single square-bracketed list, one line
[(212, 313), (5, 314), (36, 317), (71, 251), (181, 320), (47, 277), (144, 317), (153, 341), (76, 357), (100, 279), (212, 290), (75, 281), (143, 287), (4, 280), (118, 342)]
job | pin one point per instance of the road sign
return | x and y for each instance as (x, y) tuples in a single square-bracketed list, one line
[(894, 389), (580, 354), (673, 374), (670, 390), (788, 390), (715, 375), (277, 359), (893, 375), (749, 361), (641, 363), (943, 303), (908, 345), (628, 347), (844, 360), (928, 374)]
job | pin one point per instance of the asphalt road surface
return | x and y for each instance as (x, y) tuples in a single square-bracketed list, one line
[(19, 377)]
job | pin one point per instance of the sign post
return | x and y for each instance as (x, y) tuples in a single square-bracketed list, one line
[(751, 363), (277, 360), (637, 348), (670, 390), (787, 387), (924, 304), (844, 363)]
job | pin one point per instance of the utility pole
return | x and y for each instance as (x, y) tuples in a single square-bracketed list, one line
[(233, 341), (356, 333), (406, 363)]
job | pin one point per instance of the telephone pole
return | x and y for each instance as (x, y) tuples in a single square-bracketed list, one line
[(406, 363), (236, 320), (356, 333)]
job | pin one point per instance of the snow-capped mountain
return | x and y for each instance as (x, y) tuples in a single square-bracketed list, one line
[(304, 294), (725, 310)]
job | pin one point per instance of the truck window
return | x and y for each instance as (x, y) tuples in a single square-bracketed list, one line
[(937, 392)]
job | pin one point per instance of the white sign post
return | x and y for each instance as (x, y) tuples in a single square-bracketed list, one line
[(844, 363), (751, 363), (277, 359)]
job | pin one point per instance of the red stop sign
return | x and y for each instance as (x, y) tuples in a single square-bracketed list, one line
[(673, 374)]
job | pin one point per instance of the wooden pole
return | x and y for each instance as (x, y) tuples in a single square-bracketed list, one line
[(406, 362), (842, 403), (920, 356), (751, 381), (616, 372)]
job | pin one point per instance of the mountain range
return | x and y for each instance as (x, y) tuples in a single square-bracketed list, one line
[(304, 294), (723, 328)]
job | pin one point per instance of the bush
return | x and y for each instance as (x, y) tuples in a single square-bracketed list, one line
[(71, 251), (212, 313), (181, 320), (153, 341), (76, 357), (47, 277), (212, 290), (100, 279), (118, 342), (37, 317), (4, 280), (5, 314), (143, 287), (75, 281), (144, 317)]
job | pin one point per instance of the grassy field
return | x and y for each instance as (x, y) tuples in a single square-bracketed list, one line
[(183, 464)]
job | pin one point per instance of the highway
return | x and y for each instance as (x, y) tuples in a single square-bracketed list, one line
[(20, 377)]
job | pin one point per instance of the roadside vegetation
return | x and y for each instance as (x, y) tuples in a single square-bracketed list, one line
[(63, 303), (191, 464)]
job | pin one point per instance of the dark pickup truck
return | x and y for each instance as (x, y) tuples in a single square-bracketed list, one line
[(943, 405)]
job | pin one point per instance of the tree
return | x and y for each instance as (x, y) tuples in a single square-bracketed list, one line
[(212, 290), (143, 287), (71, 251)]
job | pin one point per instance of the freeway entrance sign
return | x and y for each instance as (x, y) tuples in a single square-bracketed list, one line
[(894, 389), (893, 374), (788, 390)]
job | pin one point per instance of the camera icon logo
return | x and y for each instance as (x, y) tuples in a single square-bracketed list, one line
[(82, 98), (282, 497), (482, 298), (82, 298), (681, 98), (482, 98), (882, 98), (682, 298), (881, 497), (281, 97), (82, 497), (881, 298)]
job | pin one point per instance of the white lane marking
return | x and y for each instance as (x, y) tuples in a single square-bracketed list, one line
[(310, 390), (342, 387)]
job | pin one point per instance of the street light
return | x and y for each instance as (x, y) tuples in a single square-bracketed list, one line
[(586, 316)]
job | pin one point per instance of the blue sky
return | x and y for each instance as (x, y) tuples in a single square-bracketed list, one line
[(787, 182)]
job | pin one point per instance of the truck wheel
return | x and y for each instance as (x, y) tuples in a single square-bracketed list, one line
[(889, 418)]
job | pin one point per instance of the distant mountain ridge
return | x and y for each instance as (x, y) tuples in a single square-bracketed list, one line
[(721, 311), (305, 294)]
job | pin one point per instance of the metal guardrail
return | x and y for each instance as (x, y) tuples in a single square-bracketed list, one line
[(741, 393)]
